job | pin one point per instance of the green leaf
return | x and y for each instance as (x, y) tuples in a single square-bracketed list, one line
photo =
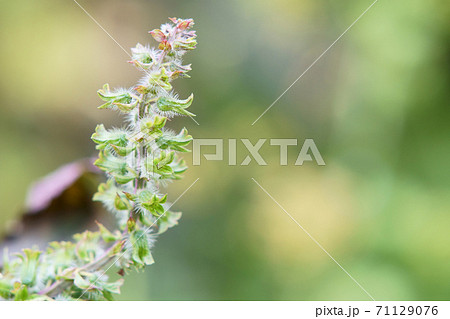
[(143, 57), (152, 202), (175, 142), (113, 287), (5, 289), (168, 104), (117, 248), (106, 192), (108, 296), (87, 245), (116, 167), (160, 79), (131, 224), (114, 138), (123, 100), (66, 274), (37, 297), (20, 292), (123, 151), (178, 167), (61, 254), (185, 44), (107, 236), (82, 283), (167, 166), (94, 283), (180, 70), (141, 254), (160, 165), (30, 263), (151, 128), (121, 202), (130, 196), (168, 220), (152, 124)]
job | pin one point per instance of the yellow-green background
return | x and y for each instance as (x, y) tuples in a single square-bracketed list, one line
[(376, 105)]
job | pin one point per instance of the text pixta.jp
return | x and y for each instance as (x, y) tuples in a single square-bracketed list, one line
[(308, 151)]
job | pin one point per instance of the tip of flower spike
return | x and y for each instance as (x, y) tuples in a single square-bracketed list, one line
[(182, 24), (186, 24)]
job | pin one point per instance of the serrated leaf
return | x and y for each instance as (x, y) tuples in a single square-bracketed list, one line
[(123, 151), (116, 167), (114, 138), (167, 166), (175, 142), (154, 123), (160, 165), (123, 100), (126, 108), (168, 104), (151, 128)]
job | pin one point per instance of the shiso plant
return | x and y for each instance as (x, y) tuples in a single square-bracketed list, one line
[(138, 160)]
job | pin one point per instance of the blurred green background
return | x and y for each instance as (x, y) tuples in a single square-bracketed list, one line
[(376, 105)]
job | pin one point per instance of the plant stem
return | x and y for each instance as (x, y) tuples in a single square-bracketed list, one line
[(62, 284)]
